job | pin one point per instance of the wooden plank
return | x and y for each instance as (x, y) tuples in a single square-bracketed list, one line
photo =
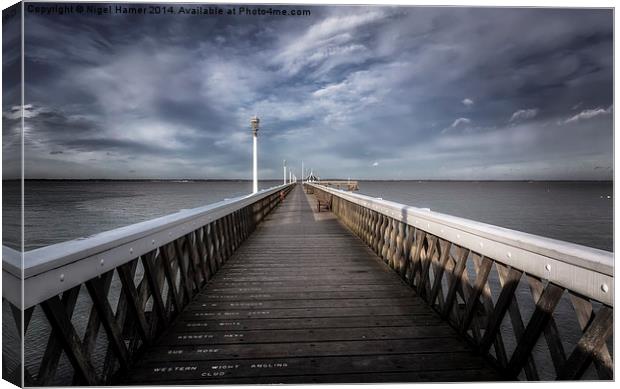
[(308, 291), (202, 370), (208, 306), (464, 375), (420, 320), (232, 287), (302, 349), (307, 335), (307, 312), (300, 295)]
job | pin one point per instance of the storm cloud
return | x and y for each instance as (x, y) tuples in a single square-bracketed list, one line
[(360, 92)]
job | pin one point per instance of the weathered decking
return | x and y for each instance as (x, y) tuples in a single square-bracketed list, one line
[(304, 300)]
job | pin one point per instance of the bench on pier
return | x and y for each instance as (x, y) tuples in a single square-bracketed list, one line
[(323, 199)]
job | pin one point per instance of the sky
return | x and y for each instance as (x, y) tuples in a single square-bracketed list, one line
[(360, 92)]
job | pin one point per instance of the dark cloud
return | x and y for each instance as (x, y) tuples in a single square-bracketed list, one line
[(368, 92)]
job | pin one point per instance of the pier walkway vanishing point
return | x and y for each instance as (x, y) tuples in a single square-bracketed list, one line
[(263, 288), (304, 300)]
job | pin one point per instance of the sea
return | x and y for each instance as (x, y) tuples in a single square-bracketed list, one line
[(57, 211)]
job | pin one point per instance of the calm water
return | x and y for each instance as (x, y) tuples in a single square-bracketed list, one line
[(580, 212), (56, 211)]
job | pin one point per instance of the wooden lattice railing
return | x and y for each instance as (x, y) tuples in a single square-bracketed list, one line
[(91, 305), (498, 288)]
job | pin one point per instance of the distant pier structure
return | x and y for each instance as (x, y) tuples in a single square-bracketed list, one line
[(348, 185)]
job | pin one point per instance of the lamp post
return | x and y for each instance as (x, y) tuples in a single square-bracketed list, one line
[(284, 167), (254, 122)]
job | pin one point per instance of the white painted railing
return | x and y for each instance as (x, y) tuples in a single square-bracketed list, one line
[(437, 254), (582, 269), (151, 269)]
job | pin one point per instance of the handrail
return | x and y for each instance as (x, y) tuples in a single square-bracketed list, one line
[(476, 276), (134, 281), (53, 269), (581, 269)]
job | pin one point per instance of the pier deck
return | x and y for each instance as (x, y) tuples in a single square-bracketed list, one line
[(304, 300)]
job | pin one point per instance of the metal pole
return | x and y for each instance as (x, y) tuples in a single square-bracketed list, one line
[(284, 166), (302, 172), (254, 122), (255, 165)]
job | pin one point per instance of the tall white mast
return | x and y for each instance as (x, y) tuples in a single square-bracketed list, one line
[(254, 122)]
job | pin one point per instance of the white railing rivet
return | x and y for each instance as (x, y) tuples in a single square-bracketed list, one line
[(458, 236), (428, 225), (509, 254), (62, 277), (131, 250), (605, 288), (481, 244), (153, 241), (548, 267), (101, 262)]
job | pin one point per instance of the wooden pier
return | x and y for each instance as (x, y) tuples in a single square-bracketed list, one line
[(264, 288), (340, 184), (303, 300)]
